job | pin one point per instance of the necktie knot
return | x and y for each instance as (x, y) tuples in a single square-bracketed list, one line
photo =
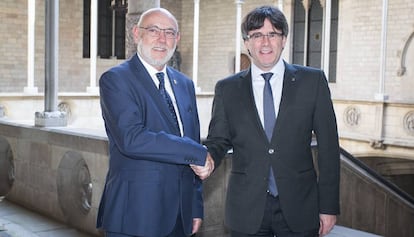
[(267, 75)]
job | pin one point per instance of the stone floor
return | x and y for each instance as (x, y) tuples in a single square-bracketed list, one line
[(16, 221), (340, 231)]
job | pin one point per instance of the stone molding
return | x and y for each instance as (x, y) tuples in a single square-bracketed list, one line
[(409, 123)]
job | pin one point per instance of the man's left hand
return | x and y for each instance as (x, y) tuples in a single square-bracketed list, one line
[(196, 225), (327, 222)]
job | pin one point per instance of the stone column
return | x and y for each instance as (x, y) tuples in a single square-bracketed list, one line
[(31, 12), (381, 96), (326, 42), (280, 5), (51, 116), (306, 6), (93, 46), (135, 9), (196, 43), (239, 4)]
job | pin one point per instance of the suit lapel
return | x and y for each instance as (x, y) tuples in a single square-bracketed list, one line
[(181, 96), (143, 77), (246, 88), (288, 90)]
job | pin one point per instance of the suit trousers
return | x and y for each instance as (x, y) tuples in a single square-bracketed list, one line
[(178, 231), (274, 224)]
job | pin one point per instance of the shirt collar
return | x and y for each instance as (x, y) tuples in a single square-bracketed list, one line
[(278, 70)]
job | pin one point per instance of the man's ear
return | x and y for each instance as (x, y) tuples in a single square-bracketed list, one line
[(178, 38), (247, 47), (135, 33), (284, 40)]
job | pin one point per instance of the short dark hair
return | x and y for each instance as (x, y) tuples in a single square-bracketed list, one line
[(255, 20)]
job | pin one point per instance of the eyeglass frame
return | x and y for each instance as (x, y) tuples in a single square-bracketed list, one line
[(157, 32), (260, 36)]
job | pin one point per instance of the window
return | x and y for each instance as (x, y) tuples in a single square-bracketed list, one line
[(308, 36), (111, 30)]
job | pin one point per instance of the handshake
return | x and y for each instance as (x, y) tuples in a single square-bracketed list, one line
[(204, 171)]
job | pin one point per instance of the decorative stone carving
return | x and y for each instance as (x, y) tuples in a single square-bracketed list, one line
[(50, 119), (401, 71), (323, 3), (306, 4), (409, 123), (377, 144), (6, 167), (64, 107), (352, 116), (74, 187)]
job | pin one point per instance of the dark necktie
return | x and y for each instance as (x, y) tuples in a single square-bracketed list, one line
[(269, 116), (164, 93)]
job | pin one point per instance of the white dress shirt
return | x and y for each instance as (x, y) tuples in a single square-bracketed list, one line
[(276, 83)]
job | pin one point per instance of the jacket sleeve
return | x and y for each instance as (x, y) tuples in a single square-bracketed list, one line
[(325, 129), (127, 110), (218, 139)]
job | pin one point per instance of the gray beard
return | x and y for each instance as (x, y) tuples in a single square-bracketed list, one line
[(146, 54)]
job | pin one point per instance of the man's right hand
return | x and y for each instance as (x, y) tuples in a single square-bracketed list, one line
[(204, 171)]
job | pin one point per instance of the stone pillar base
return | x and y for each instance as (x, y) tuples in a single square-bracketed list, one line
[(50, 119), (92, 90), (30, 90)]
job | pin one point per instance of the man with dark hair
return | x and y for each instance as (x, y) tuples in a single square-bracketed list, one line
[(268, 115)]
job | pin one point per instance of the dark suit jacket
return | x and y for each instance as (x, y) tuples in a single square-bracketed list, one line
[(149, 179), (305, 107)]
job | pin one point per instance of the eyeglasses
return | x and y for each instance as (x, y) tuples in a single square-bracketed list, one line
[(259, 36), (155, 31)]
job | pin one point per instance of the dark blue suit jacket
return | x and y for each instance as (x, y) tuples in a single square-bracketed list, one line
[(149, 179), (305, 108)]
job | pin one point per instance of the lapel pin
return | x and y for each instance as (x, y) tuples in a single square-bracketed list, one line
[(293, 79), (175, 82)]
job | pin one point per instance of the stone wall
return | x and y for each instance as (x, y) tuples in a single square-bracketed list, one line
[(365, 128), (61, 172), (368, 205), (73, 68), (359, 46), (83, 110), (376, 128), (359, 50), (216, 38)]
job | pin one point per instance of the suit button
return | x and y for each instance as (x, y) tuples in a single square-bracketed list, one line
[(271, 151)]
